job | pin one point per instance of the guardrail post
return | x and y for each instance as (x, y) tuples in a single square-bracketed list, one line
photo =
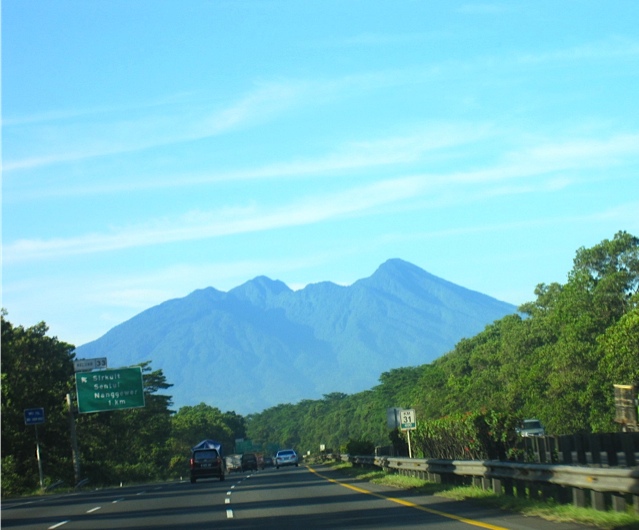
[(578, 498), (598, 500), (521, 490), (618, 503), (498, 486)]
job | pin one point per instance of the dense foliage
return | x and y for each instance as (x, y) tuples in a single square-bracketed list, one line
[(115, 446), (556, 360)]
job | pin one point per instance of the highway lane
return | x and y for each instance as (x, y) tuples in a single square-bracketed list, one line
[(155, 506), (288, 498)]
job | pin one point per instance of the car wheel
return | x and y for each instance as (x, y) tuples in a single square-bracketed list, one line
[(277, 467), (222, 477), (192, 480)]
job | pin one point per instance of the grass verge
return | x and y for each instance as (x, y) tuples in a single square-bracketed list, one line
[(548, 510)]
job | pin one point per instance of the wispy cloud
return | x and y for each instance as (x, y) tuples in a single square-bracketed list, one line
[(356, 155), (201, 225), (446, 188), (614, 47), (535, 161), (67, 139)]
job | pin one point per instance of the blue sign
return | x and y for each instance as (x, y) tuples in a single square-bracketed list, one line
[(33, 416)]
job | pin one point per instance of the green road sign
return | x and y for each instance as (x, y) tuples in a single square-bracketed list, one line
[(110, 389)]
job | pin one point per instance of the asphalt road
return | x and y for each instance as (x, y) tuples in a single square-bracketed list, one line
[(286, 498)]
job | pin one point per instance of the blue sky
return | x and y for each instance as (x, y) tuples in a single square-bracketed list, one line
[(151, 148)]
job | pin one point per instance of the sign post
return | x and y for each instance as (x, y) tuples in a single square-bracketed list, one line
[(408, 423), (110, 390), (35, 417)]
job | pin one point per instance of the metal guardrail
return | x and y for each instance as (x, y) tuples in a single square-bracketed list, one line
[(608, 487)]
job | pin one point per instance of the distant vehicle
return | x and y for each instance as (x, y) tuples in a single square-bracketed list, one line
[(249, 462), (233, 463), (286, 457), (268, 461), (532, 427), (206, 461)]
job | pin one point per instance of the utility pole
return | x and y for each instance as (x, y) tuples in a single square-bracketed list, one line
[(39, 458), (74, 441)]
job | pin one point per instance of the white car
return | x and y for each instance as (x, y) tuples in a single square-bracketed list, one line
[(531, 427), (286, 457)]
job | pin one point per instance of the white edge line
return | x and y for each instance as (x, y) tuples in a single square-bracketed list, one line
[(94, 509)]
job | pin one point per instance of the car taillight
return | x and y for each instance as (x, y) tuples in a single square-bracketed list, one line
[(192, 462)]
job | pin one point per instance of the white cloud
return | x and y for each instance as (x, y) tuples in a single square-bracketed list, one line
[(458, 187), (71, 140), (356, 155), (203, 225)]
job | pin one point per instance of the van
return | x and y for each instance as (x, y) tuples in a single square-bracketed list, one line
[(206, 461)]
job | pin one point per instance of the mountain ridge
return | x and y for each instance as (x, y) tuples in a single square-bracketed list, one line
[(262, 343)]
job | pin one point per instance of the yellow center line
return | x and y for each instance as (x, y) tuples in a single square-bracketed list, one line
[(410, 504)]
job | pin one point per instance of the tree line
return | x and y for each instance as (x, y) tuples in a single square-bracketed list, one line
[(556, 359), (116, 446)]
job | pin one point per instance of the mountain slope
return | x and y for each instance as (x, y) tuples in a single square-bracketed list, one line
[(261, 343)]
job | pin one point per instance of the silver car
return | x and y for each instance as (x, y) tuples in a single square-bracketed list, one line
[(286, 457)]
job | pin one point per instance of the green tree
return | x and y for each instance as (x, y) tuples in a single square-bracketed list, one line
[(129, 445), (37, 372)]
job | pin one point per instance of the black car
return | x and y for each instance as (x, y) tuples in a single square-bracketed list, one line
[(249, 462), (206, 463)]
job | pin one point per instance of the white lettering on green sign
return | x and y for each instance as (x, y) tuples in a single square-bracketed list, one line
[(110, 390)]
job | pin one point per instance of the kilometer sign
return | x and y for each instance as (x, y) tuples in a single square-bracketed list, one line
[(407, 421), (110, 390)]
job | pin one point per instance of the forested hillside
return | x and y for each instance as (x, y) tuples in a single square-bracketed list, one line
[(557, 361)]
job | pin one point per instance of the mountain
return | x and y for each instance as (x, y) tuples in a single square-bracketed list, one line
[(261, 343)]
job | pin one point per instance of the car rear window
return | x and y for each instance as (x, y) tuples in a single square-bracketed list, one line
[(286, 453), (209, 454)]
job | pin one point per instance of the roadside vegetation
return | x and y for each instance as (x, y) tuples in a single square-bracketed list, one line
[(548, 509)]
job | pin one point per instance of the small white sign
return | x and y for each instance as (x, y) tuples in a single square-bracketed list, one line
[(86, 365), (407, 419)]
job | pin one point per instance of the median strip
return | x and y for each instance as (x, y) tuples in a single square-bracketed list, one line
[(410, 504)]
